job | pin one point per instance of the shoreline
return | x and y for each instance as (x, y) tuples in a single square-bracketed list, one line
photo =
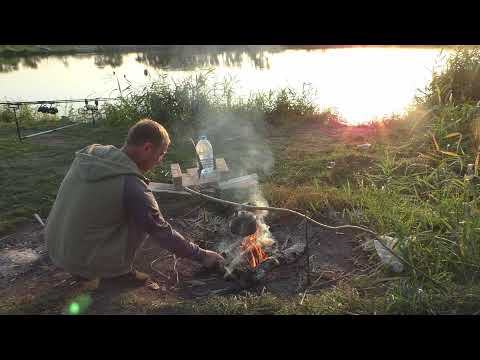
[(26, 50)]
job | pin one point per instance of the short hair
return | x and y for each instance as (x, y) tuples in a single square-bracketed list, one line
[(147, 130)]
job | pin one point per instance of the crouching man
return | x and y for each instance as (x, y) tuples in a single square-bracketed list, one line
[(104, 210)]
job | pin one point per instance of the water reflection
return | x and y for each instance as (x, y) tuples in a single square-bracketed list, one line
[(8, 64), (176, 59), (11, 63), (31, 62), (168, 57), (114, 60)]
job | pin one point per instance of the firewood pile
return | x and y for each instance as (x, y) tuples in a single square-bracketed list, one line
[(246, 276)]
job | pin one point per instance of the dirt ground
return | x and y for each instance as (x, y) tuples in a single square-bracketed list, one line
[(30, 284)]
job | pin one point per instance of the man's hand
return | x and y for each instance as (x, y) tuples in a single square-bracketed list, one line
[(212, 260)]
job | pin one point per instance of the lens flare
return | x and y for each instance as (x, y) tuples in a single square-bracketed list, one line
[(79, 305), (74, 309)]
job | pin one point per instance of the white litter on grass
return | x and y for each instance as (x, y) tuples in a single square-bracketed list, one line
[(364, 146), (385, 255)]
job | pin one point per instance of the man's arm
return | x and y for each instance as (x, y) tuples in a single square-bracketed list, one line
[(141, 206)]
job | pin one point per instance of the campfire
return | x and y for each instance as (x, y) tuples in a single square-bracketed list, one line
[(256, 253), (253, 249), (246, 243), (255, 256)]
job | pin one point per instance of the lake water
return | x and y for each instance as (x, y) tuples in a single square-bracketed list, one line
[(361, 83)]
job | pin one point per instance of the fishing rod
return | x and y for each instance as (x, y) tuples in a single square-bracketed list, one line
[(15, 105), (64, 101)]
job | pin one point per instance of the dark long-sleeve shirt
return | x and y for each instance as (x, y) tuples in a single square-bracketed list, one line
[(144, 217)]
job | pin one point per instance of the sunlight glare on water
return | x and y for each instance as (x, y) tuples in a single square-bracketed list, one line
[(361, 83)]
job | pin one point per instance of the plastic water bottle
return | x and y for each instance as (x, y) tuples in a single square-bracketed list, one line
[(469, 175), (385, 255), (205, 152)]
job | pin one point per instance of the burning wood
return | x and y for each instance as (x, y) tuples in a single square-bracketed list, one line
[(247, 276), (250, 246)]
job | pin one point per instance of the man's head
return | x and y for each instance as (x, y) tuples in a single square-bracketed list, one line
[(147, 143)]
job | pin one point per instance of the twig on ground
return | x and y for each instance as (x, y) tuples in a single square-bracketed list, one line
[(351, 273), (175, 259), (39, 219), (203, 227), (376, 270), (6, 237), (181, 222), (303, 297), (333, 280), (307, 252), (157, 271), (194, 209)]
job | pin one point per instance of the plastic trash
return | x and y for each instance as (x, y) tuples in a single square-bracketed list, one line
[(208, 172), (364, 146), (205, 153), (386, 256), (470, 173)]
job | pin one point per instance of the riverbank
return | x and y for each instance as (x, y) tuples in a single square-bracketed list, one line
[(414, 179), (23, 50)]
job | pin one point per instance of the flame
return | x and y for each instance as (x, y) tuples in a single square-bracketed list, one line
[(250, 245)]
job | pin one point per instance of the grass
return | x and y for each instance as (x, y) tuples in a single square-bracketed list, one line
[(31, 171), (410, 184), (341, 300)]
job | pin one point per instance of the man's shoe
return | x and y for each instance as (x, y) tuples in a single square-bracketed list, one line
[(134, 277), (90, 284)]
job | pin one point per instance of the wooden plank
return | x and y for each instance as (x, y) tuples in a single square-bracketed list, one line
[(195, 181), (176, 170), (240, 182), (165, 188), (222, 168), (222, 165), (191, 177), (209, 181), (154, 186), (188, 180), (176, 175), (193, 172)]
